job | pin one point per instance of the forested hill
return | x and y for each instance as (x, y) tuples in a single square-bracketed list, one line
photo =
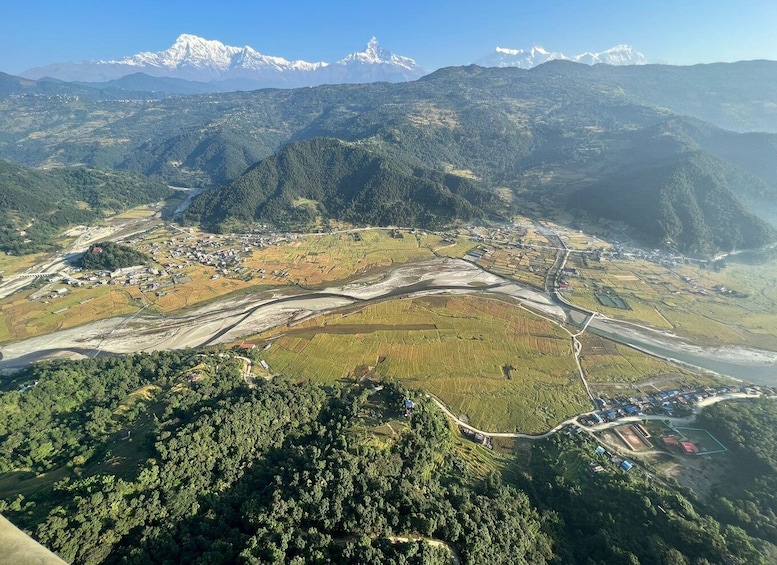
[(112, 256), (328, 178), (747, 497), (684, 202), (535, 135), (169, 457), (35, 205)]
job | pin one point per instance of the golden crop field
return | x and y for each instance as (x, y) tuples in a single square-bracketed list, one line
[(502, 367), (200, 289), (21, 318), (144, 211), (528, 266), (316, 259)]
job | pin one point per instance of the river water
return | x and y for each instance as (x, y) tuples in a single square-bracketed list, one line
[(718, 360), (229, 319)]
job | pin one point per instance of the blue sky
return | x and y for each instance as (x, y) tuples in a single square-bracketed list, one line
[(435, 33)]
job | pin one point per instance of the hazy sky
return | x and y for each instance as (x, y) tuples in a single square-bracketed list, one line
[(435, 33)]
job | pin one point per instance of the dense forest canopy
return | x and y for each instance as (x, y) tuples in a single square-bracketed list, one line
[(748, 499), (326, 178), (171, 457)]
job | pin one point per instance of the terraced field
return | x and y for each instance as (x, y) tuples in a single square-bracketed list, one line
[(502, 367)]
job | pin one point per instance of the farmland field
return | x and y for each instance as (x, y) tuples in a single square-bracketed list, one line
[(615, 369), (686, 299), (21, 317), (10, 264), (313, 260), (501, 367), (607, 361)]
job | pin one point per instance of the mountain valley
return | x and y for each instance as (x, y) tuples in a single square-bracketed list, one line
[(489, 314)]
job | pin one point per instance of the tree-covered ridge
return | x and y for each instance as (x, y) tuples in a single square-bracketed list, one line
[(282, 472), (35, 205), (220, 472), (748, 497), (687, 200), (111, 256), (332, 179)]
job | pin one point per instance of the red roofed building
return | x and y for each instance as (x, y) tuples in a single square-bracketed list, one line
[(689, 448), (247, 345), (668, 440)]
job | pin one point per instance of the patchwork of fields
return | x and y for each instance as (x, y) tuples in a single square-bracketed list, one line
[(685, 299), (502, 367)]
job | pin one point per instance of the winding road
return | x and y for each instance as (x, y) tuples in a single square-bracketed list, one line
[(598, 427)]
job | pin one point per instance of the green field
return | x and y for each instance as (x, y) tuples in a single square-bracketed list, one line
[(685, 299), (605, 361), (505, 369)]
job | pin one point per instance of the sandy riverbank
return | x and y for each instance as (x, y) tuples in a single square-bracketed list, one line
[(230, 319)]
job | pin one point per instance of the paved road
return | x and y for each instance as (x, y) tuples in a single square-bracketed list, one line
[(599, 427)]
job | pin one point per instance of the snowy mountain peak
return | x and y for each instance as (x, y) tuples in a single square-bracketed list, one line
[(375, 54), (373, 45), (522, 58), (526, 59), (195, 58), (622, 55)]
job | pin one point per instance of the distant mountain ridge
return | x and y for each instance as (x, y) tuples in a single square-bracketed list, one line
[(562, 136), (197, 59), (530, 58), (217, 67)]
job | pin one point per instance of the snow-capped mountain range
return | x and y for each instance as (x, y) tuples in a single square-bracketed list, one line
[(196, 59), (213, 65), (194, 54), (528, 58)]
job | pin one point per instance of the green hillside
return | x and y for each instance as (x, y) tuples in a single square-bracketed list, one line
[(35, 205), (537, 135), (169, 457), (332, 179), (686, 203)]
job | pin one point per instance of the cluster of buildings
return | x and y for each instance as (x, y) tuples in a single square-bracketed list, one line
[(147, 278), (190, 250), (667, 403), (616, 460)]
